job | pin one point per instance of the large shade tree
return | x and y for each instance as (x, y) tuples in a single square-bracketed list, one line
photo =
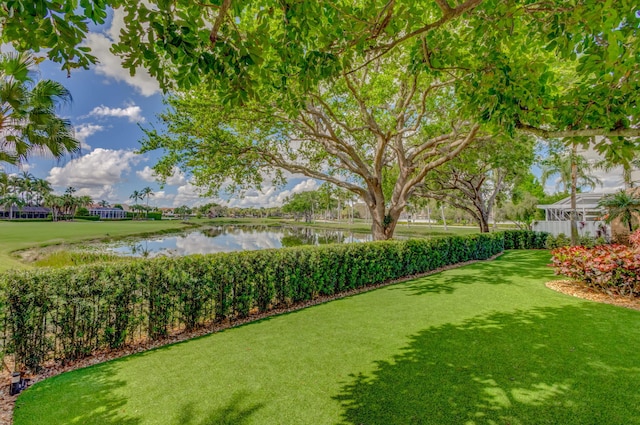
[(555, 68), (474, 179), (29, 120), (376, 132)]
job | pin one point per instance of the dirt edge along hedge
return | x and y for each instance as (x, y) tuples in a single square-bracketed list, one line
[(67, 313)]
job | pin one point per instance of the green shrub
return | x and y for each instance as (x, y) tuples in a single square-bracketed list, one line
[(87, 217), (524, 239), (69, 312), (562, 240)]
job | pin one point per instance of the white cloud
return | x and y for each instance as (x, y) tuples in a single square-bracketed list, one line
[(161, 195), (189, 194), (85, 130), (96, 173), (106, 192), (176, 179), (270, 197), (132, 112), (110, 65), (147, 174)]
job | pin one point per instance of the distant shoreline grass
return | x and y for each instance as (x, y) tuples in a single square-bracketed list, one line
[(18, 236)]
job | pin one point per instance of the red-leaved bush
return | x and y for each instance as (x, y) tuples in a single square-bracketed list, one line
[(613, 269), (634, 239)]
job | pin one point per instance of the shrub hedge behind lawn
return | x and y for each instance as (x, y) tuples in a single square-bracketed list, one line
[(68, 313)]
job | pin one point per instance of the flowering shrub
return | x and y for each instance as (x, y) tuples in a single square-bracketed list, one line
[(613, 269), (634, 240)]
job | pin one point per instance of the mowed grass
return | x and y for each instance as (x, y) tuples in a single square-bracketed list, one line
[(483, 344), (17, 235)]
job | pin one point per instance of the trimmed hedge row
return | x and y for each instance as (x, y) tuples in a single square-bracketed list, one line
[(67, 313), (524, 239)]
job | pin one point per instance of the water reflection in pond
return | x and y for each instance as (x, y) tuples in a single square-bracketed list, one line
[(230, 238)]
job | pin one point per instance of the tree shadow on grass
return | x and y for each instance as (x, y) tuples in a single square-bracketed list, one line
[(235, 412), (568, 365), (88, 398), (512, 266)]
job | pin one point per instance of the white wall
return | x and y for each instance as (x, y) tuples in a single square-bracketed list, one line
[(557, 227)]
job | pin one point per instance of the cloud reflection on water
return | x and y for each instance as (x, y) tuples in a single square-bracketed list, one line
[(231, 238)]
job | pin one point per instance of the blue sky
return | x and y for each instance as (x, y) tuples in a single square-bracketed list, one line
[(108, 107)]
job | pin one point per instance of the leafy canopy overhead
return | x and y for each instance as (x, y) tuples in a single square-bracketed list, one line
[(554, 67), (57, 26)]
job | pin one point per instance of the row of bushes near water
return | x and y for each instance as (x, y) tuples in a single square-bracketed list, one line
[(68, 313)]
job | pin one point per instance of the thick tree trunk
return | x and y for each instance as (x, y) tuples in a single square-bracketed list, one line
[(383, 223), (484, 224)]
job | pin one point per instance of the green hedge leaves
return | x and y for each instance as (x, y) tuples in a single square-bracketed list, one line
[(67, 313)]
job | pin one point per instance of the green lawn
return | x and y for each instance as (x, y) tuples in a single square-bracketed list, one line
[(21, 235), (482, 344)]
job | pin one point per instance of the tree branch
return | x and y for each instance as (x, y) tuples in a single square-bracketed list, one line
[(588, 132), (446, 17), (278, 161), (444, 5), (222, 13), (444, 158)]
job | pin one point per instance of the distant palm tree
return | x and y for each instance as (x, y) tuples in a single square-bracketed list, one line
[(5, 185), (56, 203), (561, 164), (135, 196), (10, 202), (27, 181), (573, 171), (15, 185), (69, 205), (624, 155), (621, 205), (103, 203), (41, 189), (146, 193), (28, 120), (84, 201)]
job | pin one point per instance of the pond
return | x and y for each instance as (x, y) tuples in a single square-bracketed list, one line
[(225, 239)]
